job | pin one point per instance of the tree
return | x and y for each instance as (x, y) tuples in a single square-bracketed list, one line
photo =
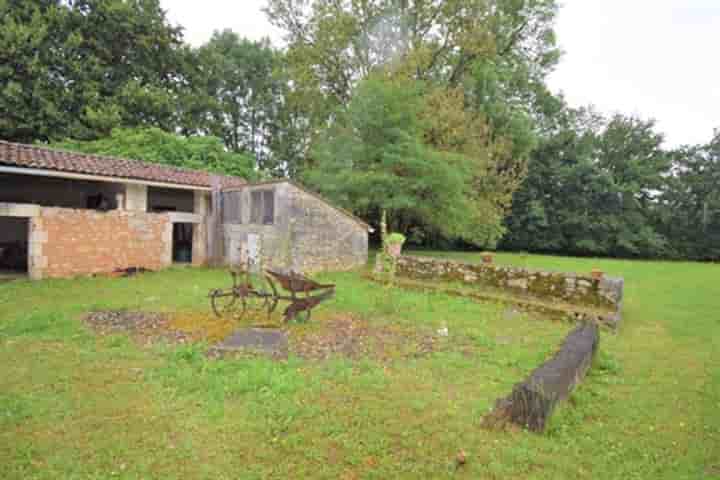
[(245, 92), (691, 202), (78, 69), (157, 146), (592, 189), (375, 157), (334, 45)]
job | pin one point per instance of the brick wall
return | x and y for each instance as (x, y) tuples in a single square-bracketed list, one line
[(67, 242)]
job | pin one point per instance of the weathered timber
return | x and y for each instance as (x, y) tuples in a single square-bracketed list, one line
[(532, 402)]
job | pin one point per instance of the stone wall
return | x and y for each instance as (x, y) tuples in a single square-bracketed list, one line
[(323, 238), (66, 243), (306, 235), (605, 294)]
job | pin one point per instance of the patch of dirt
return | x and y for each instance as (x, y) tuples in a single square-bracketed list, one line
[(355, 338), (339, 335), (203, 326), (150, 327)]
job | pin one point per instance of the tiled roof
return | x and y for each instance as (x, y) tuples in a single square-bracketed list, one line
[(31, 156)]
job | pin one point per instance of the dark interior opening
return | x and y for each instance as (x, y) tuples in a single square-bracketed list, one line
[(14, 235), (59, 192), (170, 200), (182, 242)]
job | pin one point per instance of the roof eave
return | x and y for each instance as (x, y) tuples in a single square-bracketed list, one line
[(41, 172)]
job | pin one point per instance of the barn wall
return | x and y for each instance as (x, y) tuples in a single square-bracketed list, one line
[(306, 234), (66, 242), (323, 238)]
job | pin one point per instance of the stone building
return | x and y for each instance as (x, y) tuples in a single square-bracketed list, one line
[(64, 214), (281, 224)]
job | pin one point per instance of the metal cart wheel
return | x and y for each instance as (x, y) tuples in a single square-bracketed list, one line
[(222, 301)]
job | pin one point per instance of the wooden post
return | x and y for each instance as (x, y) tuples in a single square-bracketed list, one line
[(532, 402)]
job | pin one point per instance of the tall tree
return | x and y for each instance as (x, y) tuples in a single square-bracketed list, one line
[(592, 189), (78, 69), (245, 92), (332, 45), (376, 156), (691, 202)]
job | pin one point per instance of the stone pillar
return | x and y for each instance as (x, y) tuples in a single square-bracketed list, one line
[(167, 240), (136, 197), (37, 238), (200, 230), (215, 230), (202, 202)]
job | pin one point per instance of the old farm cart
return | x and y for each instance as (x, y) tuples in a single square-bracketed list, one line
[(246, 295)]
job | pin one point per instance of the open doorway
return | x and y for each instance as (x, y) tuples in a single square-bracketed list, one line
[(182, 242), (14, 234)]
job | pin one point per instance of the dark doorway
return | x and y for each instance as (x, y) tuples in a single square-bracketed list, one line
[(182, 242), (14, 234)]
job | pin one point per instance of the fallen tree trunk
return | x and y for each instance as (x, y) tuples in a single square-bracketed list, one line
[(531, 403)]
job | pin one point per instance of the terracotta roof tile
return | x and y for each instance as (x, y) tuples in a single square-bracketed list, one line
[(31, 156)]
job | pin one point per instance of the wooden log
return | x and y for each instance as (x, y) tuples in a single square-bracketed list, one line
[(532, 402)]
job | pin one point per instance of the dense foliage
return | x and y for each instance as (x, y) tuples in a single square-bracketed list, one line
[(690, 202), (607, 187), (78, 69), (436, 111), (373, 159), (157, 146)]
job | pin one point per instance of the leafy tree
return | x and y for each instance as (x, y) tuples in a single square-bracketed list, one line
[(157, 146), (449, 43), (244, 92), (336, 44), (375, 157), (78, 69), (691, 202), (591, 189)]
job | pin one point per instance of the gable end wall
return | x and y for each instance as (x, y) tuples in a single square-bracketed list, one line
[(323, 238), (307, 235)]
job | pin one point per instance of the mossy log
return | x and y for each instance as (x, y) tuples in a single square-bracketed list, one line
[(532, 402)]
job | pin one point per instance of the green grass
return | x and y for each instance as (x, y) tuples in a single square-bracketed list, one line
[(73, 405)]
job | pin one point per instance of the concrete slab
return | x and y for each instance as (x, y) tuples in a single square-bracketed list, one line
[(267, 340)]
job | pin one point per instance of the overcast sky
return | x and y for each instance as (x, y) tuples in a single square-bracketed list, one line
[(654, 58)]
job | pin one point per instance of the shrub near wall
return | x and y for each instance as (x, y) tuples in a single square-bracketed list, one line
[(605, 293)]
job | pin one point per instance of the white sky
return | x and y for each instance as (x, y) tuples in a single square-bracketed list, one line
[(654, 58)]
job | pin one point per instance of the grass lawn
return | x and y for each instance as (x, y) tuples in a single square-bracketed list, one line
[(77, 405)]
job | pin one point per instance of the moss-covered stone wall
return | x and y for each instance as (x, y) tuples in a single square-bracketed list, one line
[(605, 293)]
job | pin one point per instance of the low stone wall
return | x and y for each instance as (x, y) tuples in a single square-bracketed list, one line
[(66, 242), (532, 402), (605, 294)]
